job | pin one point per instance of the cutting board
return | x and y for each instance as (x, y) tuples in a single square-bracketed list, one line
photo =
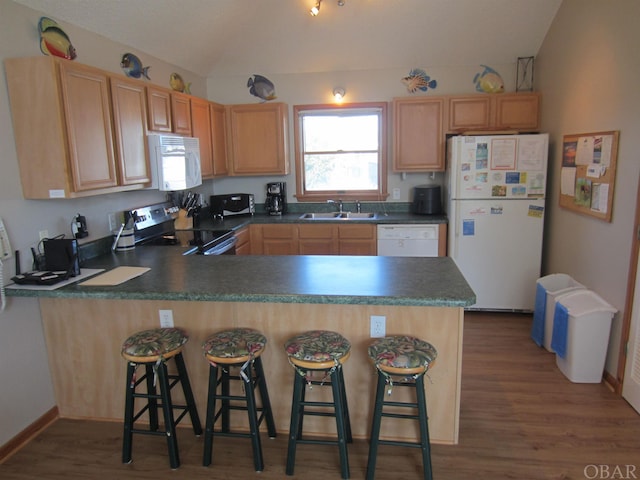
[(116, 276)]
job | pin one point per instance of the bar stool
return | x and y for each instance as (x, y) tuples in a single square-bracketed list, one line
[(152, 349), (239, 348), (319, 352), (406, 359)]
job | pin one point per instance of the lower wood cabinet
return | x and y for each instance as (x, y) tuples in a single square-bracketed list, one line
[(305, 239), (243, 247)]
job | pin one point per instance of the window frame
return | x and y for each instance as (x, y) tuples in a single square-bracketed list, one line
[(380, 194)]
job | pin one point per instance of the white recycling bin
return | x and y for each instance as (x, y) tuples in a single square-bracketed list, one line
[(550, 287), (582, 325)]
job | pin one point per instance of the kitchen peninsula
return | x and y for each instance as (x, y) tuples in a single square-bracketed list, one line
[(280, 295)]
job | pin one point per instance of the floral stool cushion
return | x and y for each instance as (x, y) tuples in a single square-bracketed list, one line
[(318, 346), (150, 345), (396, 354), (236, 344)]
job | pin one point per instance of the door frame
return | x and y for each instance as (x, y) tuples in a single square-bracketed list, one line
[(628, 305)]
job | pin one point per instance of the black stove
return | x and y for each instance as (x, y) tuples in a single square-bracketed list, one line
[(154, 226)]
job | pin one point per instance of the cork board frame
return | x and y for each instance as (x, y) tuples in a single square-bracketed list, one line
[(588, 173)]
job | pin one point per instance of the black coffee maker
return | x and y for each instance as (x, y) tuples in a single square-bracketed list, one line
[(276, 202)]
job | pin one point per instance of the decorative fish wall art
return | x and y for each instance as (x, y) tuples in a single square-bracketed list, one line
[(488, 81), (176, 83), (54, 41), (418, 80), (261, 87), (132, 66)]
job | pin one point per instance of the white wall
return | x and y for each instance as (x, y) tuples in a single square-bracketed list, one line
[(588, 71), (26, 386)]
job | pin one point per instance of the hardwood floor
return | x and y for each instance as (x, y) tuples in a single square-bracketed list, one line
[(520, 419)]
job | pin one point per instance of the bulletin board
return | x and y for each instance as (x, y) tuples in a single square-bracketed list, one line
[(588, 175)]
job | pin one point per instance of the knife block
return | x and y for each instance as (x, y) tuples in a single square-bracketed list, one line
[(183, 223)]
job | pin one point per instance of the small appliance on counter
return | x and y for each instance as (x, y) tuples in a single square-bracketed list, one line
[(427, 200), (231, 204), (276, 201)]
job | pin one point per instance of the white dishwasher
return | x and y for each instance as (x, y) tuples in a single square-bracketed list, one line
[(411, 240)]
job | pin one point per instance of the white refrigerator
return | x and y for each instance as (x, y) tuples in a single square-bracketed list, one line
[(496, 203)]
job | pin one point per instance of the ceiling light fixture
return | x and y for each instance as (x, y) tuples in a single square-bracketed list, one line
[(338, 94), (315, 9)]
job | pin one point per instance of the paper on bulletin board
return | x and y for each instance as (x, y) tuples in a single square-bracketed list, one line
[(600, 197), (568, 181)]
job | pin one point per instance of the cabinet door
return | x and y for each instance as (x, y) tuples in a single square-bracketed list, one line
[(201, 127), (88, 119), (130, 128), (159, 106), (181, 113), (218, 139), (274, 239), (418, 136), (258, 139), (469, 113), (243, 247), (317, 239), (518, 111), (357, 239)]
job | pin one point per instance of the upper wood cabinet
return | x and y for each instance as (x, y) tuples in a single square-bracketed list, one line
[(64, 126), (258, 142), (130, 127), (159, 103), (418, 136), (500, 111), (218, 138), (201, 128), (181, 113)]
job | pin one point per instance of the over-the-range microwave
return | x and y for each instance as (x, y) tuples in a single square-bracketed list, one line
[(175, 162)]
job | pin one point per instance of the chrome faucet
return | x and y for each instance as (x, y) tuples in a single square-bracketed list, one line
[(339, 202), (358, 206)]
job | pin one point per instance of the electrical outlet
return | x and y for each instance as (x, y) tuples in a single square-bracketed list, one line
[(396, 194), (166, 318), (378, 326), (42, 234), (113, 222)]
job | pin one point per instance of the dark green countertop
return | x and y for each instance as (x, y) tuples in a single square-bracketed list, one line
[(358, 280)]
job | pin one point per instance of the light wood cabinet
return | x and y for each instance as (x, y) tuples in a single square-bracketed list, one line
[(201, 129), (218, 120), (501, 111), (418, 136), (181, 113), (274, 239), (357, 239), (243, 247), (64, 128), (159, 106), (130, 127), (317, 239), (258, 142)]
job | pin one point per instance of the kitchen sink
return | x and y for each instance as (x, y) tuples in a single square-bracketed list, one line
[(338, 216)]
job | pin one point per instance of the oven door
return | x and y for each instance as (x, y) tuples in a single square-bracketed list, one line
[(226, 247)]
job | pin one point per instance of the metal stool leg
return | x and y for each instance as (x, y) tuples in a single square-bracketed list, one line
[(211, 413), (375, 427), (294, 428), (224, 394), (167, 408), (188, 394), (338, 396), (347, 418), (424, 428), (127, 438), (264, 396)]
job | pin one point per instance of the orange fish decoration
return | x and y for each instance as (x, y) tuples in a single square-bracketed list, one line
[(54, 41)]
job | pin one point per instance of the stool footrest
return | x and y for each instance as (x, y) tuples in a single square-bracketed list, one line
[(398, 443)]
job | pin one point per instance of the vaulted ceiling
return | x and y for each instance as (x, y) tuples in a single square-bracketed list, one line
[(238, 37)]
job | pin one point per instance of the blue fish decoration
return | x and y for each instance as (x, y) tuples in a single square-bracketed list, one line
[(132, 66), (488, 81), (418, 80), (261, 87)]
